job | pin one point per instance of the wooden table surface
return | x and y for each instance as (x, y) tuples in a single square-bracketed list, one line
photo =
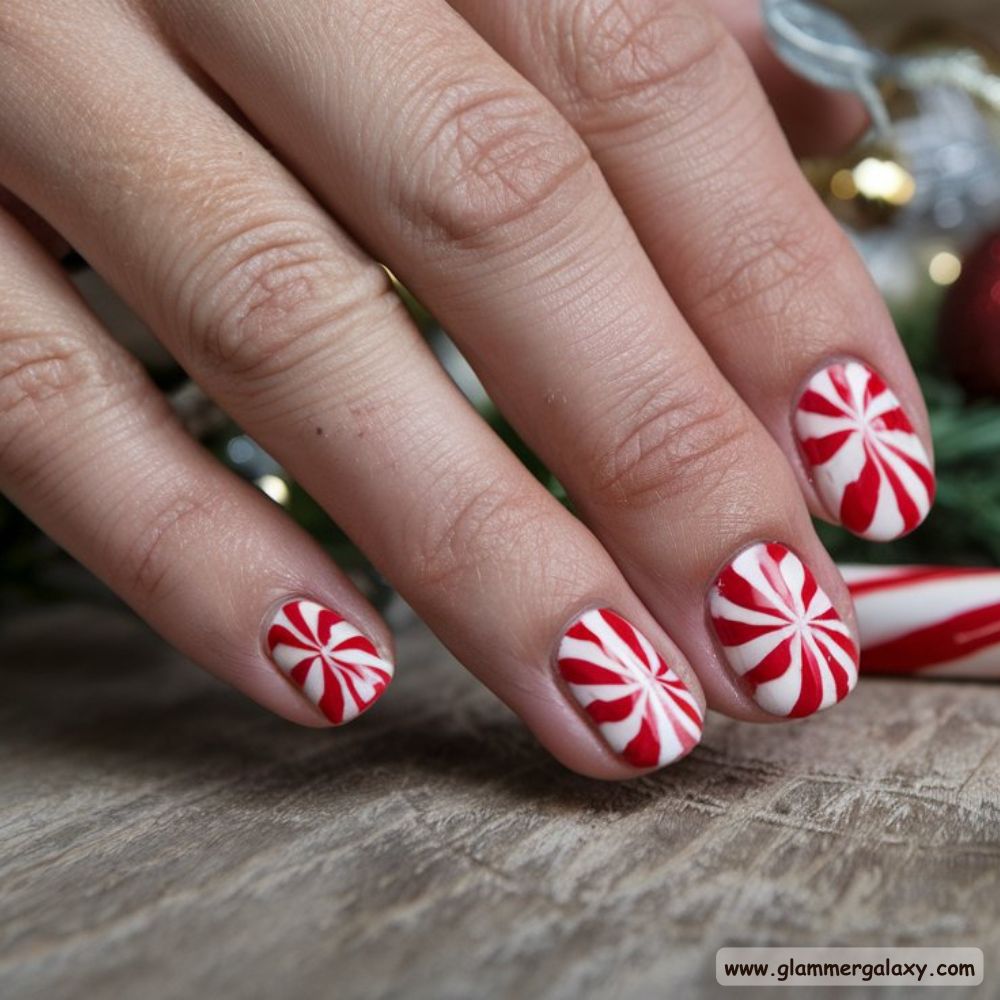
[(164, 838)]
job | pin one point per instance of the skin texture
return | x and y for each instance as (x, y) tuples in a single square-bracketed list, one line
[(595, 198)]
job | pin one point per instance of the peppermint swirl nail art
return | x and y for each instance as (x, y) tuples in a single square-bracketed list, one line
[(780, 632), (336, 667), (640, 706), (870, 469)]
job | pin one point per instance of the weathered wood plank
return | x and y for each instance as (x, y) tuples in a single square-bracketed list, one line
[(163, 838)]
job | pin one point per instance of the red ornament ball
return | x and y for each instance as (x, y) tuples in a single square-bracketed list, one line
[(970, 321)]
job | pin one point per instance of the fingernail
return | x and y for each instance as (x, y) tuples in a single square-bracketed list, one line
[(781, 634), (638, 704), (870, 469), (335, 666)]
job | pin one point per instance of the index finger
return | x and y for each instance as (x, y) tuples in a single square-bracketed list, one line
[(664, 98)]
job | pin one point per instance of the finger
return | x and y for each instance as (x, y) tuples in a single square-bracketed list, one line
[(816, 121), (669, 107), (91, 452), (490, 209), (299, 335)]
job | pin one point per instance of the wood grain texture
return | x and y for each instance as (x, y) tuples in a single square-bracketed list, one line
[(164, 838)]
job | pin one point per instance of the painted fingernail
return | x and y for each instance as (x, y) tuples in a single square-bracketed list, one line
[(335, 666), (639, 705), (781, 634), (869, 467)]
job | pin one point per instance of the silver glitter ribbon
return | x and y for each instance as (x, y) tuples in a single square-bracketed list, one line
[(947, 146), (822, 47)]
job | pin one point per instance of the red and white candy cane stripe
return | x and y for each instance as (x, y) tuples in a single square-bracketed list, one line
[(336, 666), (780, 632), (870, 468), (935, 620), (640, 706)]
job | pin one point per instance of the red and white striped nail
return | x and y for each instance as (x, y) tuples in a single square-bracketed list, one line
[(334, 665), (639, 705), (780, 632), (870, 469)]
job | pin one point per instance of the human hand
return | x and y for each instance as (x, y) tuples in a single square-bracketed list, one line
[(597, 201)]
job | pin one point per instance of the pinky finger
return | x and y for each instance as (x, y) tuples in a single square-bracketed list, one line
[(92, 453)]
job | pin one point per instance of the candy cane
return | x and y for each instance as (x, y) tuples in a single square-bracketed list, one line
[(931, 620)]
